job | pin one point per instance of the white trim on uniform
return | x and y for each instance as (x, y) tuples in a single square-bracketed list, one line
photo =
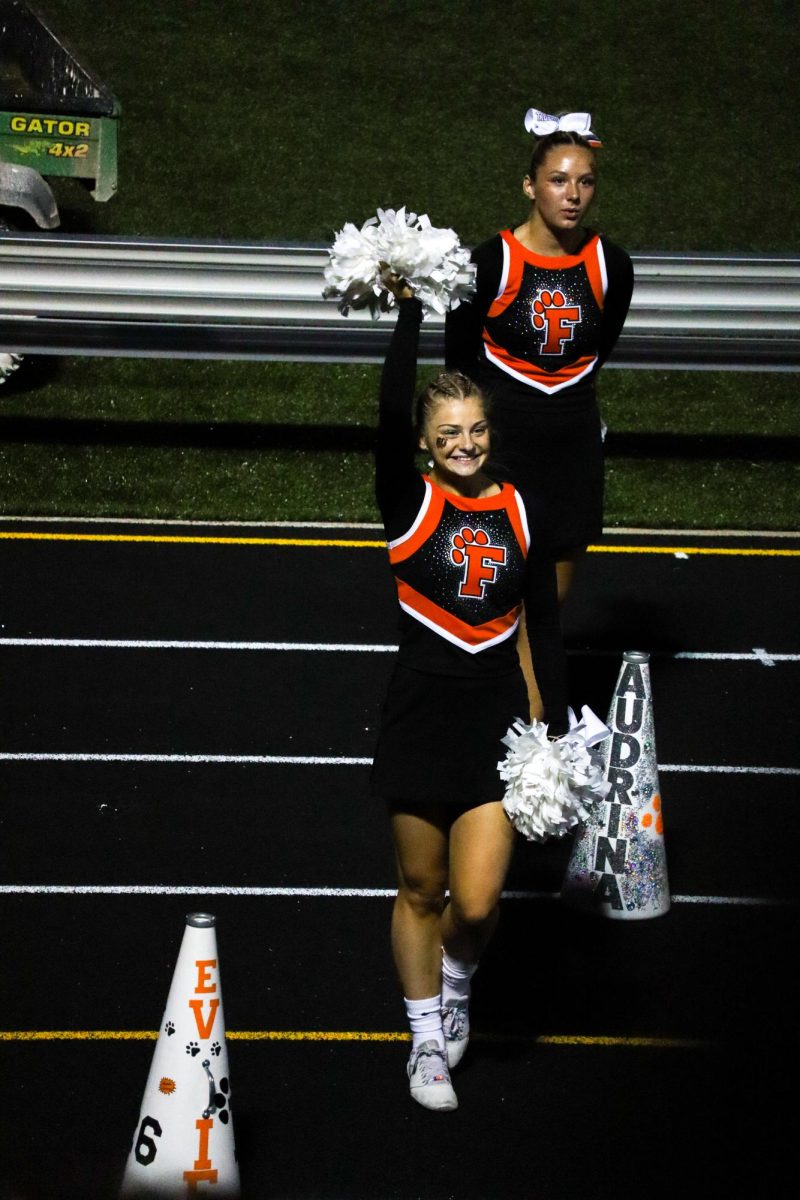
[(601, 262), (523, 516), (451, 637), (506, 268), (420, 517), (532, 383)]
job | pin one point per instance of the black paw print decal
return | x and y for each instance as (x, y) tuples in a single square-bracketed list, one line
[(216, 1049), (219, 1100), (222, 1099), (193, 1049), (169, 1028)]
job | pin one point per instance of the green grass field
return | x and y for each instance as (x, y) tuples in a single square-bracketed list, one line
[(264, 120)]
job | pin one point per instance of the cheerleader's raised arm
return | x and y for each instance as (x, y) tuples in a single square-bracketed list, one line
[(398, 483)]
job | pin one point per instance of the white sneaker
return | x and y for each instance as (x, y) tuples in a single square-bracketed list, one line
[(455, 1023), (429, 1078)]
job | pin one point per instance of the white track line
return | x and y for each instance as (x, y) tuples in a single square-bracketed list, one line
[(158, 889), (273, 524), (133, 644), (608, 531), (312, 760), (698, 768), (758, 654), (298, 760)]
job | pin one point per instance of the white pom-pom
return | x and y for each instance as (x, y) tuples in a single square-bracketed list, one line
[(436, 265), (8, 364), (549, 784)]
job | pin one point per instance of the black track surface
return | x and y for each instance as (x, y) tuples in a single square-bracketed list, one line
[(332, 1120)]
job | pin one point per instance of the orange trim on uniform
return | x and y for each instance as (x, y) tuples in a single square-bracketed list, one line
[(477, 504), (545, 379), (550, 262), (518, 255), (513, 280), (401, 549), (592, 264), (452, 627)]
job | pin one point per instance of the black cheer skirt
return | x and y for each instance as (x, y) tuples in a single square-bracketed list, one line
[(440, 736), (556, 457)]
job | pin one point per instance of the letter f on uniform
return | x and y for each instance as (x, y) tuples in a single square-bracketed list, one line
[(552, 316), (480, 569)]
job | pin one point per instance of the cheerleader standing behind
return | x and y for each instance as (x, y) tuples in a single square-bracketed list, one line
[(550, 304), (466, 553)]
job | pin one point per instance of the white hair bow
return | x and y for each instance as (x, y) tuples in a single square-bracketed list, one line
[(542, 123)]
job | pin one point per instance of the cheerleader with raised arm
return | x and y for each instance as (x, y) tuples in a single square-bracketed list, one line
[(467, 552)]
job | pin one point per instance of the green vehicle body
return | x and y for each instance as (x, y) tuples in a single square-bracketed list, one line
[(56, 118)]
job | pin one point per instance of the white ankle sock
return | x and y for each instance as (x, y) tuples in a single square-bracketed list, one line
[(425, 1019), (456, 978)]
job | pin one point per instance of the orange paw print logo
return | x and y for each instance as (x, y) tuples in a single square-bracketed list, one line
[(653, 818), (541, 304), (467, 537), (472, 550), (553, 317)]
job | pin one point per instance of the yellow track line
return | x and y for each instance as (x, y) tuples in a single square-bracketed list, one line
[(338, 543), (173, 539), (719, 550), (288, 1035)]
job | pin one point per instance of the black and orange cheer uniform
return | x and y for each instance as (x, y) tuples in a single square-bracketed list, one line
[(463, 569), (534, 337)]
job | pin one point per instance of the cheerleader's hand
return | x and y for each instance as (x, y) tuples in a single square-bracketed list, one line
[(400, 288)]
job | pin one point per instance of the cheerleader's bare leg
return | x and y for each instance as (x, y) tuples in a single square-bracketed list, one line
[(481, 846), (421, 848)]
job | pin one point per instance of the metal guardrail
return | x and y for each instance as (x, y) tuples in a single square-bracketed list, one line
[(140, 298)]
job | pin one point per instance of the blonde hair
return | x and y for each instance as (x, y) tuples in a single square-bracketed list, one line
[(448, 385)]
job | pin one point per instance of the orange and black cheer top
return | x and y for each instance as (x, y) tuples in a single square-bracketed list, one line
[(460, 566), (540, 327)]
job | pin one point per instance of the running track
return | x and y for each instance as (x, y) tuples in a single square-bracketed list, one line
[(187, 718)]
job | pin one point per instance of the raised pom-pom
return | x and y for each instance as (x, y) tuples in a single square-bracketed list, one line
[(551, 783), (433, 261)]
